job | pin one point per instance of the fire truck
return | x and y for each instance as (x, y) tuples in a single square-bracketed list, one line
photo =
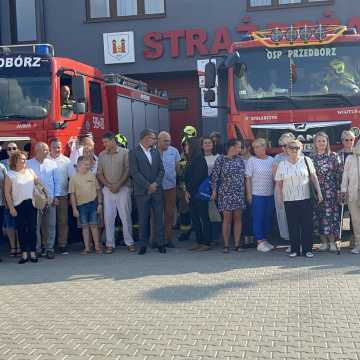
[(32, 110), (297, 79)]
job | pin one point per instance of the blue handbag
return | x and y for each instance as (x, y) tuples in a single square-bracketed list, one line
[(204, 192)]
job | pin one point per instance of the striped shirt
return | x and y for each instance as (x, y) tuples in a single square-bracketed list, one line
[(295, 178)]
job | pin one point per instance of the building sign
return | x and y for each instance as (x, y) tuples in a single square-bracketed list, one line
[(119, 47), (198, 41), (206, 110)]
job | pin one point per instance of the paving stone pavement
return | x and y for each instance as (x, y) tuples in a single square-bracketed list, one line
[(182, 305)]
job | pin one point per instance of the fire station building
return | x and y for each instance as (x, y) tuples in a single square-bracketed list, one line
[(160, 41)]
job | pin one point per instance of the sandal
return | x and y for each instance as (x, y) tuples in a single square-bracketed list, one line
[(239, 249), (85, 252), (13, 252), (226, 250), (99, 251)]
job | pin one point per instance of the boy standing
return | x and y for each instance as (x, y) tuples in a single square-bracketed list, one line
[(86, 201)]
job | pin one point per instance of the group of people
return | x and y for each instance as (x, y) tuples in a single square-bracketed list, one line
[(237, 187)]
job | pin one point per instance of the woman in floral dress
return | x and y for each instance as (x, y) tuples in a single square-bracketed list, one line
[(329, 171), (228, 184)]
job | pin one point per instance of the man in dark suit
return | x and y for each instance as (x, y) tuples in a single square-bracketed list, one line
[(147, 172)]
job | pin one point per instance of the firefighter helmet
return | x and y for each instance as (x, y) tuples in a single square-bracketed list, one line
[(338, 66), (121, 140), (189, 131)]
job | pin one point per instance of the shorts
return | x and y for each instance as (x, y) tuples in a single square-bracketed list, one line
[(88, 214), (9, 221)]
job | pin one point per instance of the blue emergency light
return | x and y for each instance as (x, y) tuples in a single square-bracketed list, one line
[(44, 49)]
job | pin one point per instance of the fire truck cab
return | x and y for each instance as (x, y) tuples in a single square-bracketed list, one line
[(299, 79), (34, 105)]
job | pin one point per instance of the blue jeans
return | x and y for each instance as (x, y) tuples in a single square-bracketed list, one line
[(263, 208), (46, 229), (88, 213)]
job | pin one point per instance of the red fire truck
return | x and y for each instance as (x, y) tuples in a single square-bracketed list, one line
[(298, 79), (31, 110)]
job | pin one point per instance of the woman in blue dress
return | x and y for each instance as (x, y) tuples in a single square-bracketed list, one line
[(228, 184)]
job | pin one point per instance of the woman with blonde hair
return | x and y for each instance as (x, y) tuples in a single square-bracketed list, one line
[(280, 209), (260, 193), (350, 191), (293, 179), (329, 171)]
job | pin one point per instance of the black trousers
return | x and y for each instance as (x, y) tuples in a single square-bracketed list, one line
[(199, 212), (144, 203), (299, 216), (25, 223)]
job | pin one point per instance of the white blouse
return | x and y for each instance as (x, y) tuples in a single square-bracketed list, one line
[(22, 185), (295, 178)]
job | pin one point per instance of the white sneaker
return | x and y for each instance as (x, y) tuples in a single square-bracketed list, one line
[(324, 247), (333, 247), (309, 254), (293, 254), (288, 249), (356, 250), (263, 247), (270, 246)]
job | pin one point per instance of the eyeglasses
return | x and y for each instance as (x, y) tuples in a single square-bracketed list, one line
[(11, 148), (293, 148)]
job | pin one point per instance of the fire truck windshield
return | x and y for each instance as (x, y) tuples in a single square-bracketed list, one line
[(299, 77), (24, 90)]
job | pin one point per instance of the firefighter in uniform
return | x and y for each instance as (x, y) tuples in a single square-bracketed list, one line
[(339, 79), (183, 207), (67, 105)]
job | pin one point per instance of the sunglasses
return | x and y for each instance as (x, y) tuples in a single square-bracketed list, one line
[(348, 140), (11, 148), (293, 148)]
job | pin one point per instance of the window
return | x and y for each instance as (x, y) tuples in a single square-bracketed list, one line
[(95, 97), (127, 7), (23, 21), (124, 9), (99, 8), (154, 7), (273, 4), (178, 104)]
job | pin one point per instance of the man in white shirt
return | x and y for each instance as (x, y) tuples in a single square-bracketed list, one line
[(63, 167), (45, 170)]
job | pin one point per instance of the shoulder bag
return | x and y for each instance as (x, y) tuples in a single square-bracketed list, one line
[(313, 193)]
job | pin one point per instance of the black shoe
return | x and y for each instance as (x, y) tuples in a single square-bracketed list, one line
[(162, 249), (63, 250), (23, 261), (142, 250), (170, 245), (50, 255), (43, 252), (34, 259)]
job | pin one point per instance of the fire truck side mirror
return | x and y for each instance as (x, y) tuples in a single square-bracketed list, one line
[(210, 75), (79, 108), (209, 96), (78, 89)]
